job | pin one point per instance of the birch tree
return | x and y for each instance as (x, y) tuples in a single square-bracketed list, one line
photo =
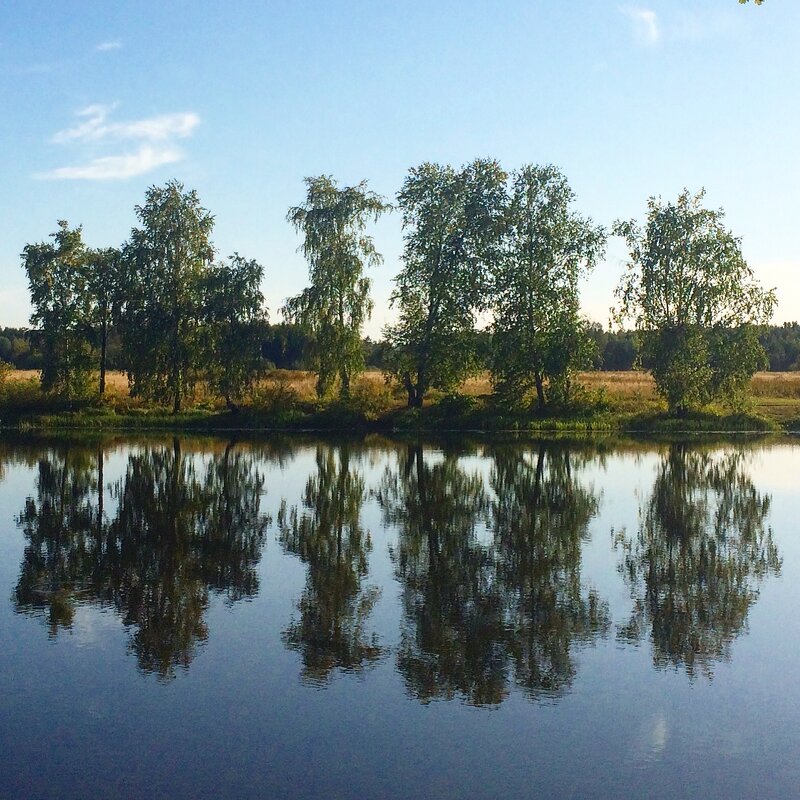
[(452, 220), (235, 321), (61, 309), (694, 301), (336, 305), (103, 282), (539, 336), (166, 259)]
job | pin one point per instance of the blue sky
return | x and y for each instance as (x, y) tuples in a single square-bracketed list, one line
[(241, 100)]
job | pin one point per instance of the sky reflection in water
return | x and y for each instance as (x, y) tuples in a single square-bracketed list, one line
[(247, 617)]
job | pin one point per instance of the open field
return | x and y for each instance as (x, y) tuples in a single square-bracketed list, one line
[(774, 396), (620, 385)]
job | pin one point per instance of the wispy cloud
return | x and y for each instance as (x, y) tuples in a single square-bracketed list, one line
[(645, 24), (107, 168), (155, 136), (104, 47), (96, 127)]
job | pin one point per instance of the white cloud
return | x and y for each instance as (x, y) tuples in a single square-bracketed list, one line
[(96, 126), (155, 135), (107, 168), (104, 47), (645, 24)]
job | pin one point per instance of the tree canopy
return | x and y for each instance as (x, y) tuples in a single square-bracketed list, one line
[(694, 301), (489, 280), (452, 220), (337, 303), (538, 332), (166, 259), (235, 324), (61, 309)]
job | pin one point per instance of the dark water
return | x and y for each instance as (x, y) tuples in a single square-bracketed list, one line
[(205, 618)]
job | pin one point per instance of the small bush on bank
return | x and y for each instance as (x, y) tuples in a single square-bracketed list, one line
[(371, 399), (275, 397), (455, 406), (699, 422)]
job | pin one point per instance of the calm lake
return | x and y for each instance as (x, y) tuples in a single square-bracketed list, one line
[(293, 618)]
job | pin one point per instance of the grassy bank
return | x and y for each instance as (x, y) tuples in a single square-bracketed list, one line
[(607, 401)]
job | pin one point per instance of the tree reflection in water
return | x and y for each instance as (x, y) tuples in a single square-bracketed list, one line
[(62, 528), (698, 559), (489, 563), (477, 610), (182, 528), (326, 534), (541, 518)]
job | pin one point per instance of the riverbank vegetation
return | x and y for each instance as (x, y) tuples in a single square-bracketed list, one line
[(287, 400), (488, 331)]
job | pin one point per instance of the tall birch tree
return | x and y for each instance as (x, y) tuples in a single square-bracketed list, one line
[(166, 260), (61, 309), (539, 337), (452, 220), (694, 301), (337, 303)]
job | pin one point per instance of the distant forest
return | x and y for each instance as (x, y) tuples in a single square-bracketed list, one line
[(288, 346)]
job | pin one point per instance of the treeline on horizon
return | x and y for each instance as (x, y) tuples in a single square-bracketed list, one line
[(489, 280), (288, 346)]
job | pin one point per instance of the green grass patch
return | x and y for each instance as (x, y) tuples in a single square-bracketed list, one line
[(374, 408)]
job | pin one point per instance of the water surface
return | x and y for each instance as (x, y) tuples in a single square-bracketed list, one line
[(213, 618)]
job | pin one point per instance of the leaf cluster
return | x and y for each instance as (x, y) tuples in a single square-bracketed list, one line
[(452, 221), (694, 301), (336, 304)]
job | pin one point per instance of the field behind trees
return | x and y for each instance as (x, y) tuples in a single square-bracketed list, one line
[(774, 396)]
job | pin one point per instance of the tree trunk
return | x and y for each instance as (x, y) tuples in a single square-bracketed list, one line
[(540, 399), (100, 486), (415, 394), (175, 485), (103, 349)]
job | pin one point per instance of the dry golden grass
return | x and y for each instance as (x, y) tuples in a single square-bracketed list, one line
[(114, 380), (774, 394)]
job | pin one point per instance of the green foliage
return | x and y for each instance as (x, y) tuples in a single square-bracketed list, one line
[(538, 333), (337, 303), (613, 350), (782, 345), (166, 262), (61, 310), (17, 349), (104, 279), (287, 346), (452, 220), (371, 399), (277, 397), (235, 321), (694, 301), (696, 563)]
